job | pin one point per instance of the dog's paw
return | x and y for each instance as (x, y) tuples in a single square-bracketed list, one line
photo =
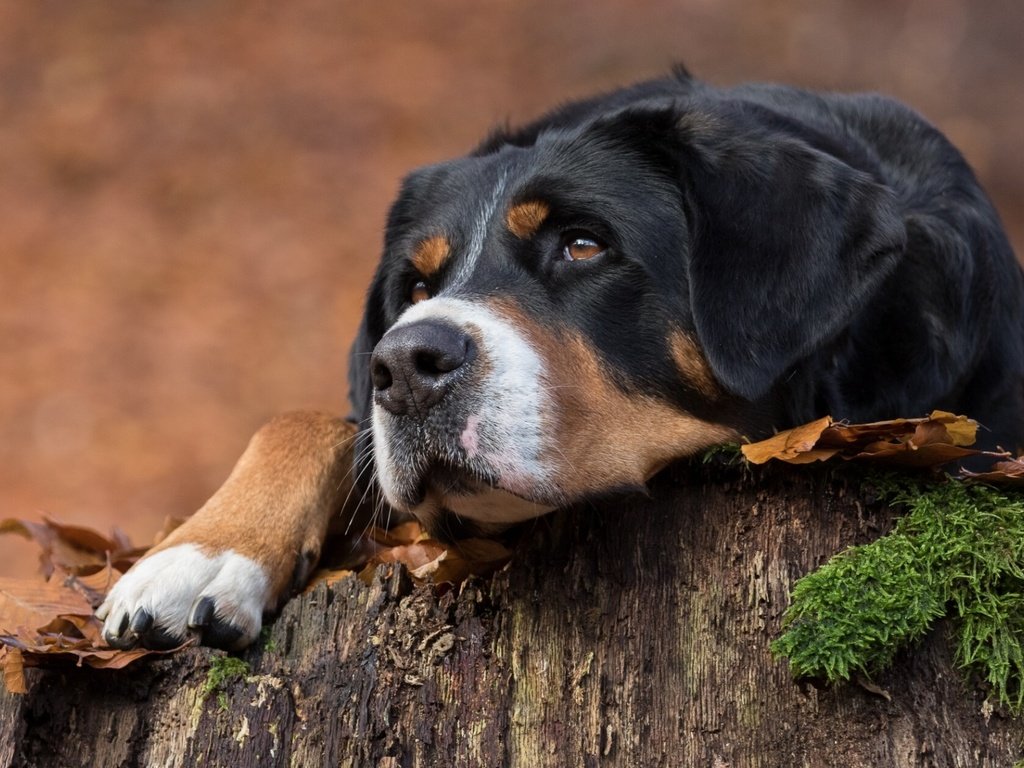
[(182, 590)]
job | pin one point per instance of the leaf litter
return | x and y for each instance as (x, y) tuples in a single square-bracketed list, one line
[(929, 442), (51, 621)]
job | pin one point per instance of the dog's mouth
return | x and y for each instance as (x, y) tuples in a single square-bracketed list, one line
[(460, 487), (442, 479)]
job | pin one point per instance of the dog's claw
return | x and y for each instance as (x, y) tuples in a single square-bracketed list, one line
[(202, 613), (215, 631), (115, 631), (141, 622)]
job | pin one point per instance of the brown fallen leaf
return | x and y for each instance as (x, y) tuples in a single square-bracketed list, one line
[(72, 548), (1009, 472), (413, 556), (429, 559), (407, 543), (326, 576), (932, 441), (31, 603), (111, 659), (792, 445), (46, 649), (471, 557), (89, 628), (907, 454), (52, 622), (14, 670), (95, 586)]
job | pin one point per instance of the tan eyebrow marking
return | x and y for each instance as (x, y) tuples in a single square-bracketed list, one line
[(430, 255), (524, 219)]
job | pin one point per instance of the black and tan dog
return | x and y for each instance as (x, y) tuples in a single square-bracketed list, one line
[(628, 280)]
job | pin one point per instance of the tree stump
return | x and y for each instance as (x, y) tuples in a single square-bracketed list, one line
[(634, 633)]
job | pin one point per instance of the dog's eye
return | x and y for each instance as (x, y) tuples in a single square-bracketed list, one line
[(581, 248), (419, 293)]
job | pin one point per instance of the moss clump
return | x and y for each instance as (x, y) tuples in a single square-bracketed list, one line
[(959, 552), (728, 454), (223, 670), (269, 645)]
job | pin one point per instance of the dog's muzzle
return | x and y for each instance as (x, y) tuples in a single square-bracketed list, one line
[(459, 419)]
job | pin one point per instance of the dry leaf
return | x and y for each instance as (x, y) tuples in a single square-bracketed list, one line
[(962, 430), (72, 548), (412, 556), (111, 659), (25, 603), (931, 441), (14, 670), (427, 559), (326, 576), (94, 586), (89, 628), (68, 638), (49, 622), (427, 570), (471, 557), (790, 444), (1009, 472)]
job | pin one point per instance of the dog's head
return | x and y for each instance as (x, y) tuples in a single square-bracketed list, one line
[(558, 316)]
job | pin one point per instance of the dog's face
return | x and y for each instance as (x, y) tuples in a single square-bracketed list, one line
[(559, 319)]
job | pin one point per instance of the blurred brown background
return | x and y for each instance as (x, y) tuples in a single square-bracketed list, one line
[(192, 193)]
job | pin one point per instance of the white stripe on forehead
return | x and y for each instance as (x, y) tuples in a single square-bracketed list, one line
[(478, 234)]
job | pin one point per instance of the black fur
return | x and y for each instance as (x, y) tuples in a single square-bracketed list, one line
[(832, 254)]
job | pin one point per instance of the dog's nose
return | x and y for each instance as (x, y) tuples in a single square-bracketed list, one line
[(415, 365)]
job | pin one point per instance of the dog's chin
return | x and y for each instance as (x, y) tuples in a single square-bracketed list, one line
[(487, 513), (458, 502)]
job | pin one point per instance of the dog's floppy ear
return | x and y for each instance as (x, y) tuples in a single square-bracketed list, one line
[(787, 242), (403, 212), (371, 329)]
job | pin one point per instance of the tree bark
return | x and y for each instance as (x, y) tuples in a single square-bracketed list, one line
[(635, 634)]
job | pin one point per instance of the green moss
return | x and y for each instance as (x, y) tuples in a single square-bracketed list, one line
[(959, 552), (269, 646), (726, 453), (223, 670)]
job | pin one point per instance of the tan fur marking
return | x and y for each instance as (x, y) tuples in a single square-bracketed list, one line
[(276, 504), (691, 363), (430, 255), (524, 219), (603, 437)]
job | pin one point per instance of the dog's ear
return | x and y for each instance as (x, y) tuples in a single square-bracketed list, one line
[(787, 243), (404, 211), (371, 329)]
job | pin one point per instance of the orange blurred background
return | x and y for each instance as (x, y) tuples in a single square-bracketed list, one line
[(192, 193)]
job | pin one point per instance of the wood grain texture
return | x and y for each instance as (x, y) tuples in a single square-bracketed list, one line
[(635, 635)]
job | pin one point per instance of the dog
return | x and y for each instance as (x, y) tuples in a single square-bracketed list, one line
[(627, 281)]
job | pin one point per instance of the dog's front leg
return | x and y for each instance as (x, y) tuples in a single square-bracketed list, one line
[(244, 552)]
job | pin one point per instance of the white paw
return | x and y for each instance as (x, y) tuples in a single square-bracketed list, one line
[(155, 604)]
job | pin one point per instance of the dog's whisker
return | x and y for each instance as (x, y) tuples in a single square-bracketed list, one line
[(371, 485)]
